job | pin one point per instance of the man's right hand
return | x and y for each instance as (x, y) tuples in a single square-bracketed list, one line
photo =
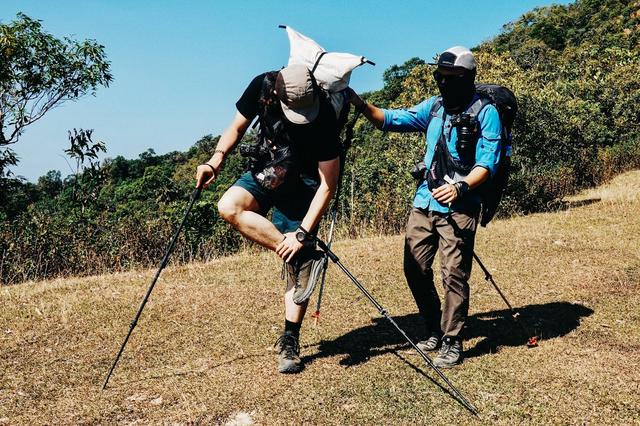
[(374, 114), (205, 175), (354, 98)]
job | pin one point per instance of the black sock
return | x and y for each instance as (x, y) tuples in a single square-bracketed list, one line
[(292, 327)]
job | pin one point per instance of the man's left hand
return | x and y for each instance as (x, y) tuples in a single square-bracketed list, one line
[(288, 248), (445, 194)]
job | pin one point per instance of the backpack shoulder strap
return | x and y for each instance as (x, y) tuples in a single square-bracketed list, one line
[(479, 105), (433, 112), (435, 107), (261, 109)]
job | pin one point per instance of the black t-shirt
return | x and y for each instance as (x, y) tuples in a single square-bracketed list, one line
[(312, 142)]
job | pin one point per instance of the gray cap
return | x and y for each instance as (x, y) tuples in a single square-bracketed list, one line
[(295, 89), (456, 57)]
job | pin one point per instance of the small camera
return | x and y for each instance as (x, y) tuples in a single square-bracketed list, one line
[(467, 130), (253, 150)]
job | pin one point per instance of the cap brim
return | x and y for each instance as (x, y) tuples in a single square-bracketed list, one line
[(302, 115), (447, 66)]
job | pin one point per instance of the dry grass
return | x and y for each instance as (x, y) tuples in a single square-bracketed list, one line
[(201, 353)]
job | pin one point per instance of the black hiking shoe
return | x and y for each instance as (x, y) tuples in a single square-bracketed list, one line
[(289, 348), (431, 344), (450, 353), (304, 272)]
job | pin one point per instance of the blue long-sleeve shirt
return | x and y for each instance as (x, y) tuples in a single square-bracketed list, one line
[(416, 119)]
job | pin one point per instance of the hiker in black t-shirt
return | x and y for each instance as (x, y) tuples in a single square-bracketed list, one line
[(295, 169)]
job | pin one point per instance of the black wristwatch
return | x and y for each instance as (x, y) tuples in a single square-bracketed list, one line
[(461, 187), (302, 235)]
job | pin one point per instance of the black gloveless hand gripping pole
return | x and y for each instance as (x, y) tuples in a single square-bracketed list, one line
[(165, 260)]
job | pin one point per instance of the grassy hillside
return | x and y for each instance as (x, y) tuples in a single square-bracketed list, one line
[(202, 351)]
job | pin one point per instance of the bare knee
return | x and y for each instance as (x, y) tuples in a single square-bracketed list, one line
[(229, 210)]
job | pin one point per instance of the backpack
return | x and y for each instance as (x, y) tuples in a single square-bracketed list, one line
[(332, 72), (491, 191), (507, 105)]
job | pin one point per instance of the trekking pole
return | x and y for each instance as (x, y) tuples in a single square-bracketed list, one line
[(532, 337), (165, 260), (334, 210), (325, 265), (304, 236), (532, 340)]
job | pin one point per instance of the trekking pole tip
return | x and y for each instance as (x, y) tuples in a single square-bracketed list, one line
[(316, 318)]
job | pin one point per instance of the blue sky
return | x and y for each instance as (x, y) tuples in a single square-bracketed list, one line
[(180, 66)]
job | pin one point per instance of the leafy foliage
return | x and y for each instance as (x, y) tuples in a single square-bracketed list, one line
[(38, 72), (573, 68), (578, 124)]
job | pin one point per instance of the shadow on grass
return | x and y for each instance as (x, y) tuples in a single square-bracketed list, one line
[(566, 205), (495, 329), (191, 372), (546, 321)]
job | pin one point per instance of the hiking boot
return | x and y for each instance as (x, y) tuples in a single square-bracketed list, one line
[(289, 348), (305, 271), (450, 353), (431, 344)]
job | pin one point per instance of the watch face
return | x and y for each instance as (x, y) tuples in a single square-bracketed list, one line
[(300, 236)]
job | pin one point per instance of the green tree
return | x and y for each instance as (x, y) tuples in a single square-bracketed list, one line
[(87, 174), (38, 72), (50, 184)]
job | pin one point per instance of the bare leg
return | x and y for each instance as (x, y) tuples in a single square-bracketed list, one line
[(238, 207)]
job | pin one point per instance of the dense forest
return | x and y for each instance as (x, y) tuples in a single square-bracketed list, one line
[(574, 70)]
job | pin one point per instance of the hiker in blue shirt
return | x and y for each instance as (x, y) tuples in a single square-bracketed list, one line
[(462, 152)]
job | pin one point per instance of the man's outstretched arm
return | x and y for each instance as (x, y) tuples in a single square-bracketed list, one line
[(374, 114), (329, 172), (414, 119)]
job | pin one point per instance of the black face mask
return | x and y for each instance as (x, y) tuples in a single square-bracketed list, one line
[(457, 90)]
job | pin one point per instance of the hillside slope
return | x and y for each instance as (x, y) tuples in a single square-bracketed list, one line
[(201, 353)]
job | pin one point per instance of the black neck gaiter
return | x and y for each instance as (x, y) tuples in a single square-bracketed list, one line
[(457, 93)]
